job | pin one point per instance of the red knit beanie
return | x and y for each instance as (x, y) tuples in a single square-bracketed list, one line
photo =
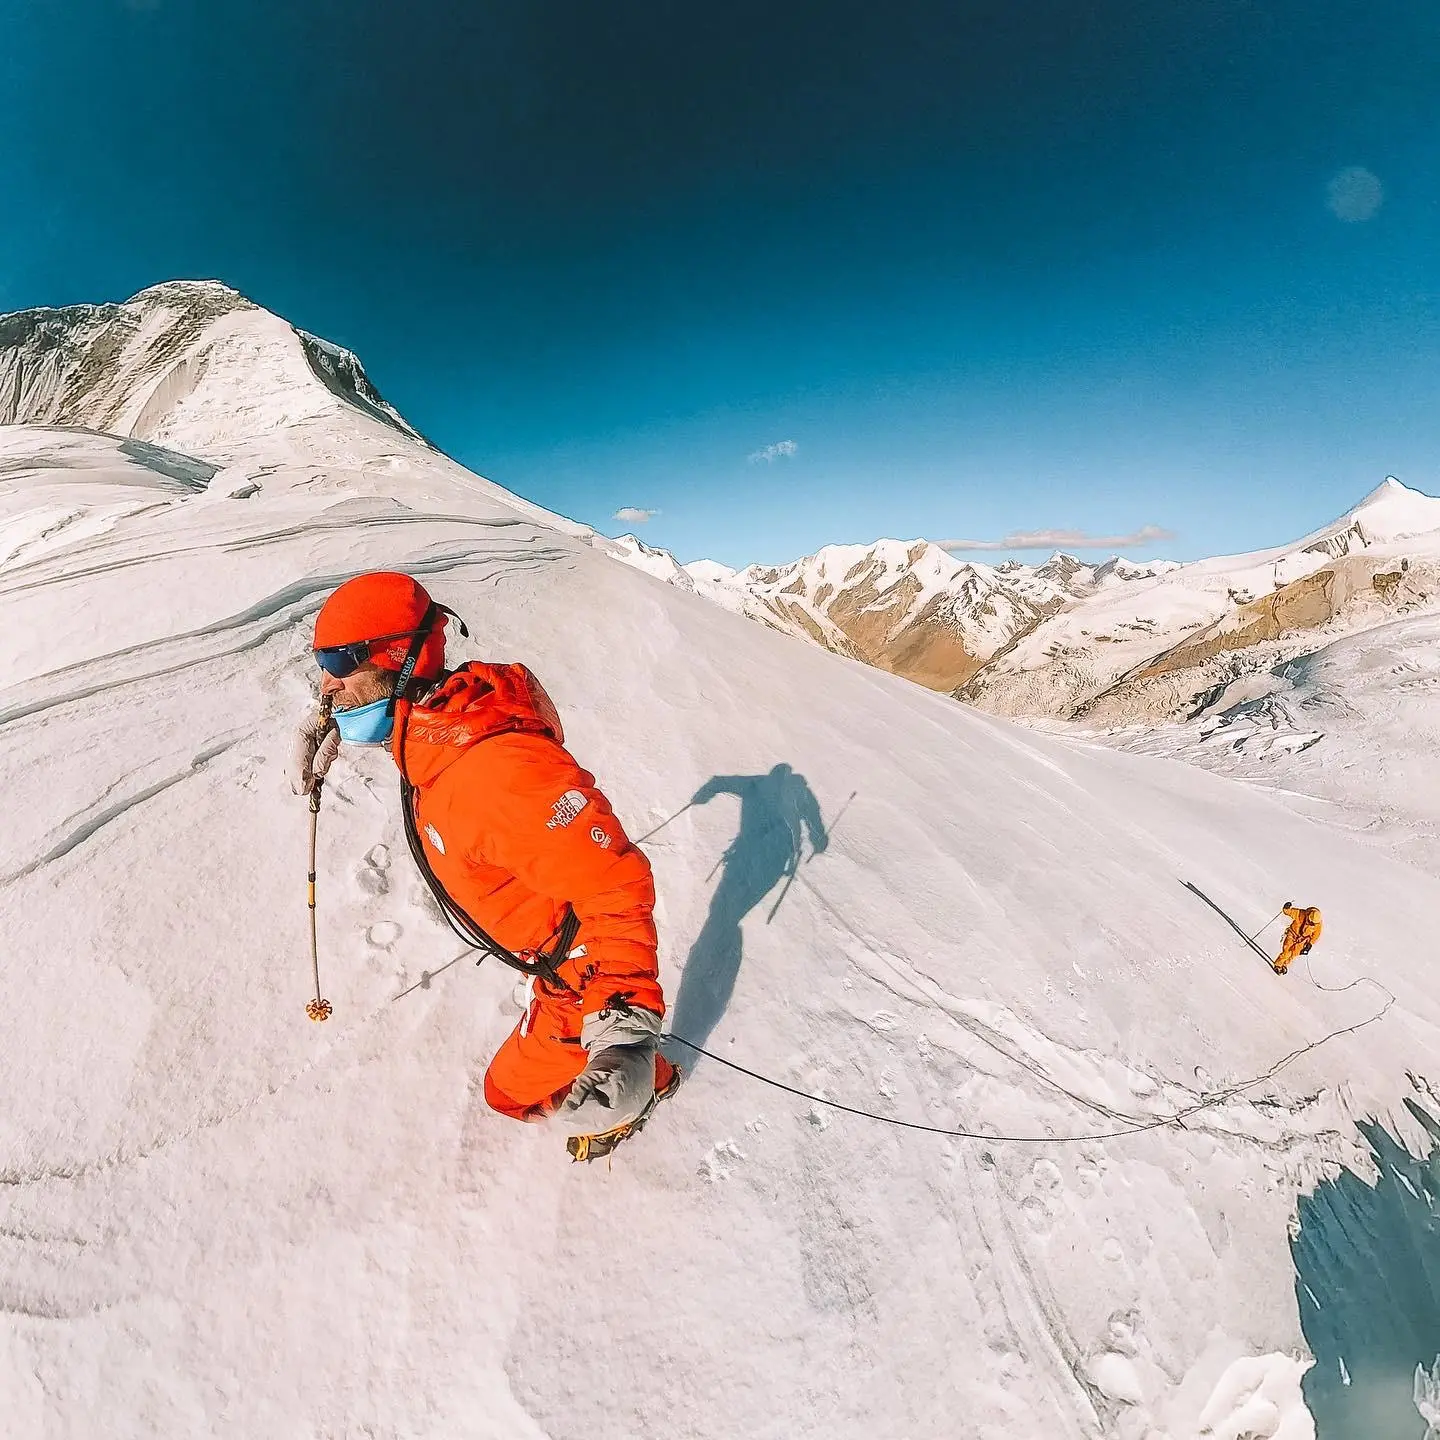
[(383, 603)]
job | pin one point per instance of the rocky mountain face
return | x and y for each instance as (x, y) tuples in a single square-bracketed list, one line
[(908, 607), (186, 360), (1108, 644), (189, 378)]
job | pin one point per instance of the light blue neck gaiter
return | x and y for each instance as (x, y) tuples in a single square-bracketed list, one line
[(366, 724)]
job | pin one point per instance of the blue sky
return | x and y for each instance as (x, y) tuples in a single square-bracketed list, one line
[(784, 279)]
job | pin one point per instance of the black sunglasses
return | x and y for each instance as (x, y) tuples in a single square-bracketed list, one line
[(343, 660)]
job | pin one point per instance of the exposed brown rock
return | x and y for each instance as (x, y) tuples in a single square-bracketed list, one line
[(1303, 604)]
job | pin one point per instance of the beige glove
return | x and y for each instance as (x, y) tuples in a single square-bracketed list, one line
[(317, 743)]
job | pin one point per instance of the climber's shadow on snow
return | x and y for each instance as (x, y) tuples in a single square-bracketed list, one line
[(776, 812)]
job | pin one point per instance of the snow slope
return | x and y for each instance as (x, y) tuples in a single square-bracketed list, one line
[(219, 1219), (1354, 725)]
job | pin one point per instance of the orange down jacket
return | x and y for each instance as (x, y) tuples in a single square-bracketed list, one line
[(515, 830)]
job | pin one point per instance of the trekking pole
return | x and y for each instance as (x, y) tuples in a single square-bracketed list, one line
[(664, 823), (1265, 926), (319, 1008)]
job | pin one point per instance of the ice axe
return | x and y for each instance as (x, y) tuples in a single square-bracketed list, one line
[(319, 1008)]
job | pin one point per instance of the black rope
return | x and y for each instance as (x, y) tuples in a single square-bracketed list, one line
[(547, 960), (560, 940), (1139, 1127)]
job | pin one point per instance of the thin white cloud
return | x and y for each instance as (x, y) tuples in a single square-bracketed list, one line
[(1064, 540), (633, 515), (779, 450), (1355, 194)]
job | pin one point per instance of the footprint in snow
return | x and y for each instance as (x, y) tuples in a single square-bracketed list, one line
[(383, 935), (715, 1167), (371, 876), (1046, 1175), (1037, 1214)]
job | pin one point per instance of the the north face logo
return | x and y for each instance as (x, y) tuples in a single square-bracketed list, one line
[(565, 809), (433, 835)]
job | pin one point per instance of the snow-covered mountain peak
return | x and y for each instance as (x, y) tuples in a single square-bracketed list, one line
[(710, 571), (189, 364), (1393, 511), (190, 292), (635, 552), (910, 606), (1069, 572)]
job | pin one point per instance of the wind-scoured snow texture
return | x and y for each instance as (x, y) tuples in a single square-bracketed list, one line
[(217, 1218), (1158, 649)]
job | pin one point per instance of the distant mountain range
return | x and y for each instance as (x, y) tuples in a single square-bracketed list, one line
[(1108, 643)]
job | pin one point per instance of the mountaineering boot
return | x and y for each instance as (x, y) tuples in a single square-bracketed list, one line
[(596, 1147)]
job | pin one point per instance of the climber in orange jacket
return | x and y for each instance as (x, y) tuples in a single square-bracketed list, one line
[(518, 839), (1300, 938)]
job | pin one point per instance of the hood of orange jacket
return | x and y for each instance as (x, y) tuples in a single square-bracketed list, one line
[(475, 702)]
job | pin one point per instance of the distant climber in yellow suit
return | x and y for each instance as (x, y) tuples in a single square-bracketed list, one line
[(1304, 931)]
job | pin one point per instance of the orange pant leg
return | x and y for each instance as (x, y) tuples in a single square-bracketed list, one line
[(533, 1070)]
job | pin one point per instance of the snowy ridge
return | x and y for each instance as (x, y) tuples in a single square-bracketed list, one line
[(173, 363), (218, 1218), (1157, 649), (1352, 728)]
